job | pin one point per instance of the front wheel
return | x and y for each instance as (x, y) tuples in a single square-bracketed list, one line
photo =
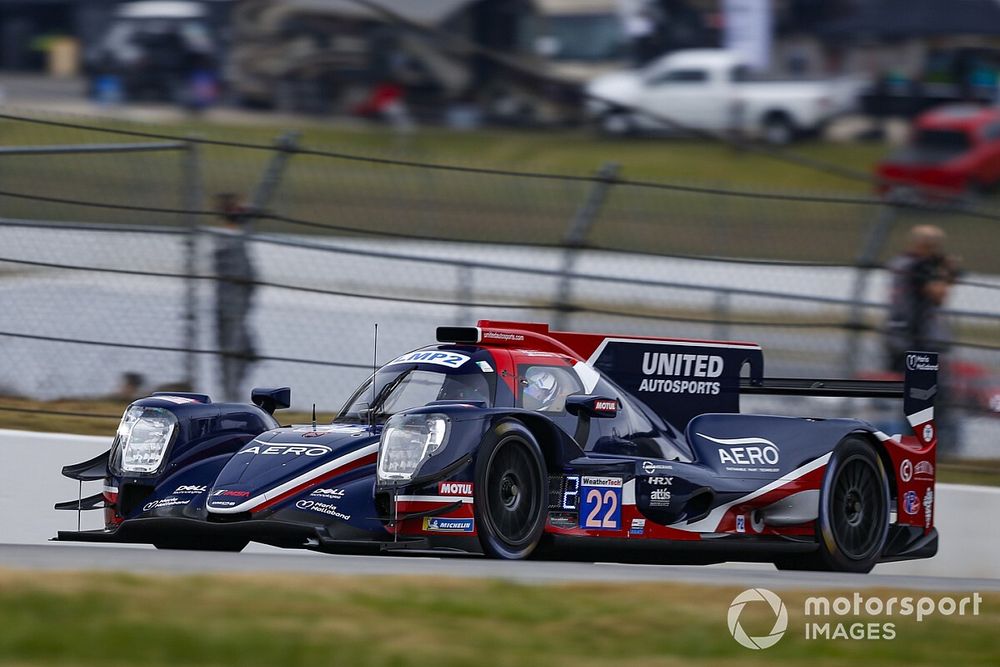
[(853, 522), (511, 492)]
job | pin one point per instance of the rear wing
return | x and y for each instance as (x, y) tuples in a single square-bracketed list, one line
[(918, 389)]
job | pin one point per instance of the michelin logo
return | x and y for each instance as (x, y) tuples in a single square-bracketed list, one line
[(681, 365), (443, 525)]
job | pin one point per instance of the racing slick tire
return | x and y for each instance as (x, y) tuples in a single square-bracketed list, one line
[(511, 492), (233, 545), (853, 522)]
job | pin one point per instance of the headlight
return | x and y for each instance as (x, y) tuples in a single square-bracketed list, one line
[(407, 441), (144, 435)]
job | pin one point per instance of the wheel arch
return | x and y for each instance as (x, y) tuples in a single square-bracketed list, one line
[(883, 454), (551, 440)]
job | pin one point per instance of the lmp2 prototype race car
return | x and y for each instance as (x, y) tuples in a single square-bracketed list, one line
[(511, 440)]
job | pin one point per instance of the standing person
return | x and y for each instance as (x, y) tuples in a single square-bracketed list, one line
[(921, 280), (235, 285)]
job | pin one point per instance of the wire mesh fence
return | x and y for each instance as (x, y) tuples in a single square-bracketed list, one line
[(106, 264)]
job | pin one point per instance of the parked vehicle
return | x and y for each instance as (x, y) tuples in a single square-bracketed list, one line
[(953, 153), (714, 90), (154, 49), (508, 439)]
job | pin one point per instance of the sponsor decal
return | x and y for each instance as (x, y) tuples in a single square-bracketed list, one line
[(659, 498), (638, 526), (279, 450), (436, 357), (613, 482), (928, 507), (231, 493), (928, 433), (190, 489), (747, 454), (672, 365), (920, 362), (500, 335), (322, 508), (649, 467), (741, 523), (336, 494), (906, 470), (169, 501), (777, 608), (924, 470), (601, 503), (606, 406), (910, 502), (563, 519), (222, 503), (454, 488), (661, 481), (484, 366), (444, 525)]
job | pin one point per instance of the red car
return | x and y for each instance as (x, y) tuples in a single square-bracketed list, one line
[(954, 152)]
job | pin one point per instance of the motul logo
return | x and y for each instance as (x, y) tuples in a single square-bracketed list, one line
[(605, 406), (455, 488)]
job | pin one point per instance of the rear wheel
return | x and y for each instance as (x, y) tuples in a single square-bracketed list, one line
[(853, 522), (778, 129), (510, 492)]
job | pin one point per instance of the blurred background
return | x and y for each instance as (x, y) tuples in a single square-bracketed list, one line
[(726, 169)]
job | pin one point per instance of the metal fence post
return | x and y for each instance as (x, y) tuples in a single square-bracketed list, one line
[(722, 308), (285, 146), (875, 241), (465, 289), (576, 237), (193, 196)]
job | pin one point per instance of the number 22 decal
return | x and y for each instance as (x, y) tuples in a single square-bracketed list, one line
[(606, 501)]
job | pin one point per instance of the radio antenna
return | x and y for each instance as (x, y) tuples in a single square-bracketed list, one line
[(314, 416), (371, 407)]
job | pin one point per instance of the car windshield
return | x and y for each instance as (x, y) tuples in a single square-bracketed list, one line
[(942, 141), (400, 388), (587, 37)]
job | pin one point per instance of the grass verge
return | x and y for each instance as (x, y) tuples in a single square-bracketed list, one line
[(85, 619)]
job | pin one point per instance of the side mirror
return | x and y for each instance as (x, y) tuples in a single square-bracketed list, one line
[(599, 407), (270, 399)]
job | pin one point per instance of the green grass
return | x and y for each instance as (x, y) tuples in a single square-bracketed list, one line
[(493, 208), (85, 619)]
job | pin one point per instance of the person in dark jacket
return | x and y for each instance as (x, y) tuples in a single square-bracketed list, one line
[(234, 289), (922, 278)]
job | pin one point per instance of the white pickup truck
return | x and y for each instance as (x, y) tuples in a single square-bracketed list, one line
[(714, 90)]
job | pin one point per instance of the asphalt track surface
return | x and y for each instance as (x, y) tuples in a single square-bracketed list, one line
[(30, 483), (137, 559)]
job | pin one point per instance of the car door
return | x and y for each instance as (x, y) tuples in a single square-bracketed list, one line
[(683, 95)]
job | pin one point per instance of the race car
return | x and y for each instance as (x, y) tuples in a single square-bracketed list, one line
[(511, 440)]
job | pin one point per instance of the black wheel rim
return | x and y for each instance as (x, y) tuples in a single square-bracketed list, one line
[(511, 499), (858, 508)]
